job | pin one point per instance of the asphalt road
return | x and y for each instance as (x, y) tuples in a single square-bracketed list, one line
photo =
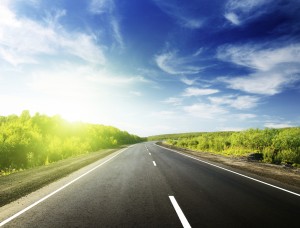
[(133, 189)]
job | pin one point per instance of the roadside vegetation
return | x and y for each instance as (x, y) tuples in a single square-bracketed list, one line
[(270, 145), (31, 141)]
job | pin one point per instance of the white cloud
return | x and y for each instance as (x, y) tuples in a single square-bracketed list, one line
[(173, 101), (237, 102), (261, 83), (173, 64), (191, 23), (242, 11), (231, 129), (101, 6), (24, 41), (115, 80), (245, 116), (185, 15), (117, 33), (87, 50), (278, 125), (206, 111), (233, 18), (258, 57), (107, 8), (275, 68), (193, 91), (188, 81), (246, 5)]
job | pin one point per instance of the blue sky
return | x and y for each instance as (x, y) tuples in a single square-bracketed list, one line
[(153, 66)]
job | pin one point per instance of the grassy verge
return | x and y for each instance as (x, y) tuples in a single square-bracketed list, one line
[(19, 184)]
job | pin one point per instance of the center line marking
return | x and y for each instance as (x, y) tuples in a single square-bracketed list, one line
[(154, 163), (179, 212)]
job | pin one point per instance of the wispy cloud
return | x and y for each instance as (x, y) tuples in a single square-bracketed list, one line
[(237, 102), (117, 33), (278, 125), (176, 101), (259, 57), (105, 78), (185, 15), (245, 116), (193, 91), (233, 18), (275, 68), (171, 63), (101, 6), (242, 11), (187, 81), (206, 111), (108, 8), (25, 40), (231, 129)]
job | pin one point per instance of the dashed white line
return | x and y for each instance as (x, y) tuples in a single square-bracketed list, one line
[(154, 163), (150, 154), (228, 170), (179, 212), (56, 191)]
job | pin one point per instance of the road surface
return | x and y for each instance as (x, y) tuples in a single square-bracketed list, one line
[(148, 186)]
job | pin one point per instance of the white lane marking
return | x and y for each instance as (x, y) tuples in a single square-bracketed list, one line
[(179, 212), (154, 163), (147, 148), (56, 191), (228, 170), (150, 154)]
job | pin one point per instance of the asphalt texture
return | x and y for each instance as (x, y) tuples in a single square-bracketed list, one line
[(129, 191)]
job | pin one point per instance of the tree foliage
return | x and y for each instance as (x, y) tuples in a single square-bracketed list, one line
[(27, 141), (276, 145)]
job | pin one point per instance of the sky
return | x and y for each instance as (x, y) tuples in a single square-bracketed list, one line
[(153, 66)]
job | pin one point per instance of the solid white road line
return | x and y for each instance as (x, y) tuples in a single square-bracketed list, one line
[(179, 212), (56, 191), (154, 163), (228, 170)]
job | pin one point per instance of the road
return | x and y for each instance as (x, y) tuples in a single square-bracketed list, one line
[(133, 189)]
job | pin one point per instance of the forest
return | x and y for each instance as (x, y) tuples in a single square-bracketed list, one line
[(28, 141), (274, 145)]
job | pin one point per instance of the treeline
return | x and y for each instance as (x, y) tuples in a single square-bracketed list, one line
[(275, 145), (29, 141)]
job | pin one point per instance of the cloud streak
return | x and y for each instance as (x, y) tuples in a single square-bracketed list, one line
[(237, 102), (108, 8), (173, 64), (183, 14), (241, 11), (275, 68), (205, 111), (193, 91), (25, 40)]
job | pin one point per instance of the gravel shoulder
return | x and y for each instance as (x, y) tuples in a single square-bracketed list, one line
[(277, 174)]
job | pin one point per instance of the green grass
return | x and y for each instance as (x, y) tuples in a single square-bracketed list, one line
[(19, 184)]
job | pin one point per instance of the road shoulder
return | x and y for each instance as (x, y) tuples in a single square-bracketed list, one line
[(278, 175)]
